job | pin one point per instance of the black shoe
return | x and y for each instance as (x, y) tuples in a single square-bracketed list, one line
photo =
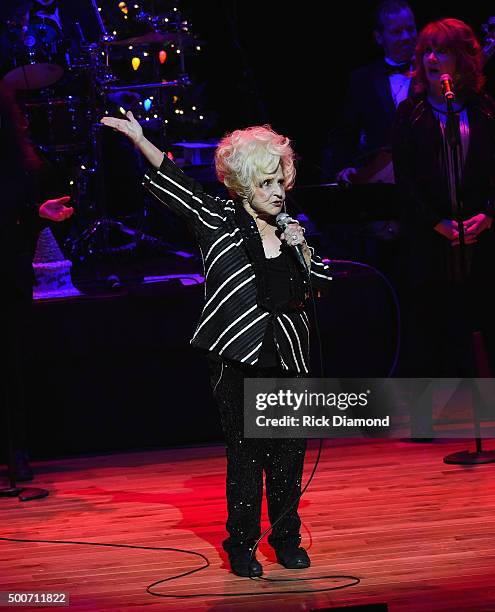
[(22, 469), (292, 557), (242, 564)]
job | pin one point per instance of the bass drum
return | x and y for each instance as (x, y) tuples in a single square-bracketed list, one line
[(35, 59)]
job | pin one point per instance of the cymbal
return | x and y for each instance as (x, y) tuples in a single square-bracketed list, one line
[(153, 38), (150, 38), (33, 76), (181, 38)]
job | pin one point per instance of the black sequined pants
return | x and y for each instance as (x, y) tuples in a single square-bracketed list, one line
[(281, 459)]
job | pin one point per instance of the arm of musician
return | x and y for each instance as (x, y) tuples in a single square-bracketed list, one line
[(168, 183)]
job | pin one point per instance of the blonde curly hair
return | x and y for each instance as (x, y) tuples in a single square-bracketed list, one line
[(245, 155)]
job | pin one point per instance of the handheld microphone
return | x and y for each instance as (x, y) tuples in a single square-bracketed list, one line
[(283, 220), (447, 87)]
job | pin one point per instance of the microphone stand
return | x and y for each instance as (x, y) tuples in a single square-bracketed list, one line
[(482, 369)]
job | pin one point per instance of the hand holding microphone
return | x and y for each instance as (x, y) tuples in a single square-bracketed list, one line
[(293, 234)]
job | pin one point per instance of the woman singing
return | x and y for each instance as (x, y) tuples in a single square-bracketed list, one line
[(442, 187), (253, 322)]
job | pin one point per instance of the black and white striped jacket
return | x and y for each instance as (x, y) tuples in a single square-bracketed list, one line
[(234, 320)]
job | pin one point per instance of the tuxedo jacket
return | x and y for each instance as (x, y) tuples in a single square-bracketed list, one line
[(369, 111), (237, 307)]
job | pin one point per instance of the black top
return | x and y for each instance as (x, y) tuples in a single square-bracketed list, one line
[(278, 282), (278, 273)]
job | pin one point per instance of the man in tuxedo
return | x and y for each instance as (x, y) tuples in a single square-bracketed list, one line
[(375, 90), (360, 148)]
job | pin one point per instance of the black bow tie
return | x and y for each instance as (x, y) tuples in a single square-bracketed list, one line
[(404, 68)]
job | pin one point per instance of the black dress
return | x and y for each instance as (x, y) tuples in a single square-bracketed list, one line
[(440, 311)]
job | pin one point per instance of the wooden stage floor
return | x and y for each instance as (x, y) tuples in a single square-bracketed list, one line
[(418, 533)]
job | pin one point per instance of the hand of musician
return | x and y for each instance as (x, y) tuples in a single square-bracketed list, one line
[(345, 175), (55, 210), (130, 127), (474, 226)]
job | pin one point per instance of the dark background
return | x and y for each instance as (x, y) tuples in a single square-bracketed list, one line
[(127, 377)]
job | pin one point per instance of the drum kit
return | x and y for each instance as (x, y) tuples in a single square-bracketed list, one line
[(64, 86)]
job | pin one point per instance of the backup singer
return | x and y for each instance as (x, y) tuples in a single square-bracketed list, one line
[(253, 322), (443, 306)]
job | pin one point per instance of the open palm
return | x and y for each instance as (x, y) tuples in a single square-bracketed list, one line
[(129, 127)]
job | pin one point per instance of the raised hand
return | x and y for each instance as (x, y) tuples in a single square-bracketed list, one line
[(55, 210), (130, 127)]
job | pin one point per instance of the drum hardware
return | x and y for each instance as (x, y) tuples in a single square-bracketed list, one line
[(124, 98), (180, 39), (164, 29), (37, 58), (96, 237), (65, 127), (181, 81), (106, 236), (105, 36), (150, 38)]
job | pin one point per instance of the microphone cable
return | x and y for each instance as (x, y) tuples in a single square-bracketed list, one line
[(354, 579), (322, 375)]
